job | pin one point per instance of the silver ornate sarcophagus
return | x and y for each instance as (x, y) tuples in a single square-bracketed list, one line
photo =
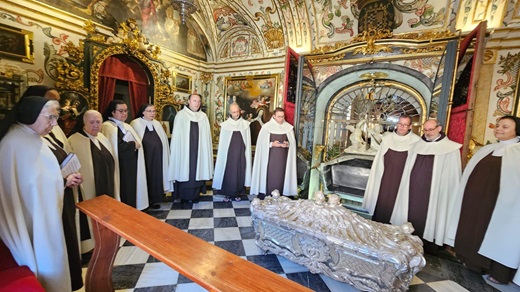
[(327, 238)]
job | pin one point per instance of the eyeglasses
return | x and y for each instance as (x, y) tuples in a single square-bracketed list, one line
[(50, 117), (430, 130), (403, 125), (150, 111), (121, 110)]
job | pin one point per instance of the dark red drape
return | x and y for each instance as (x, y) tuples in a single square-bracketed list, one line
[(138, 95), (107, 87), (121, 67)]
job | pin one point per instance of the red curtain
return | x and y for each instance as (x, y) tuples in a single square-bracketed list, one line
[(122, 67), (138, 95), (107, 87)]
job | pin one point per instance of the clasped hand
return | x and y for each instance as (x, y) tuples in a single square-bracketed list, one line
[(284, 144), (74, 179)]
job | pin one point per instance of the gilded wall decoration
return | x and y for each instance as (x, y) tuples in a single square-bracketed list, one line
[(336, 22)]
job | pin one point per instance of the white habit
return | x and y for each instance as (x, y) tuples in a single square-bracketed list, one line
[(390, 141), (180, 151), (139, 126), (502, 240), (81, 146), (31, 205), (259, 176), (226, 131), (109, 130), (446, 174)]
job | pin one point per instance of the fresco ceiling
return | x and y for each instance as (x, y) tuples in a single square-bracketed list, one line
[(231, 30)]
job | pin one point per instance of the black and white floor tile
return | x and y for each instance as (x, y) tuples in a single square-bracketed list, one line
[(228, 225)]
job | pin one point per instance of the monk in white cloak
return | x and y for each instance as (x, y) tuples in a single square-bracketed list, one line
[(274, 166), (191, 157), (426, 195), (126, 146), (387, 170), (233, 166)]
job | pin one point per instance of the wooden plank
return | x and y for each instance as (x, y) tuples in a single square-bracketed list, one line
[(209, 266)]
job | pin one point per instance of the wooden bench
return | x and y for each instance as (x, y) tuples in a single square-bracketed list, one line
[(209, 266)]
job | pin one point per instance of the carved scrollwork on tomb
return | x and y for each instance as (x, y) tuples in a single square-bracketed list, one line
[(328, 238)]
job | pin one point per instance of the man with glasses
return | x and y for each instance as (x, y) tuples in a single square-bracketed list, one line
[(387, 170), (129, 155), (430, 178)]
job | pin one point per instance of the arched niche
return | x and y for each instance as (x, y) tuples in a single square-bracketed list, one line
[(80, 71), (415, 88)]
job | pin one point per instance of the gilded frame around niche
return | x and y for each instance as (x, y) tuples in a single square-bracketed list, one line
[(182, 82), (16, 44), (256, 95)]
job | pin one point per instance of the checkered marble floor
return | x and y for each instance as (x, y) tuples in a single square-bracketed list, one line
[(228, 225)]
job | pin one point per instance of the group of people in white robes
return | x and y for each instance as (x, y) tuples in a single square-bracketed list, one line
[(132, 163), (419, 180), (37, 202)]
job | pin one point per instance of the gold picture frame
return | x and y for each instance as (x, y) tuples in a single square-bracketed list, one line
[(256, 95), (182, 82), (16, 44)]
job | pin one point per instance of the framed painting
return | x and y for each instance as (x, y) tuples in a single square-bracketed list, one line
[(16, 44), (73, 104), (256, 96), (9, 94), (182, 82)]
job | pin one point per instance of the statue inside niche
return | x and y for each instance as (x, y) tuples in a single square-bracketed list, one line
[(357, 142), (375, 133)]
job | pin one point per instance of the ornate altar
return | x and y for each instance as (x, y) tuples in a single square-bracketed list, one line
[(79, 73), (327, 238)]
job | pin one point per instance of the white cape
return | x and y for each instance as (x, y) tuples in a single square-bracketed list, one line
[(259, 176), (180, 147), (390, 141), (81, 147), (502, 240), (139, 126), (31, 205), (109, 129), (445, 180), (226, 132)]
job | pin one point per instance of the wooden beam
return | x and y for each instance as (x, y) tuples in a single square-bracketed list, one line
[(209, 266)]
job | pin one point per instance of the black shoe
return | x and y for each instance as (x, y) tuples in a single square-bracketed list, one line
[(196, 201), (184, 201), (155, 206)]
